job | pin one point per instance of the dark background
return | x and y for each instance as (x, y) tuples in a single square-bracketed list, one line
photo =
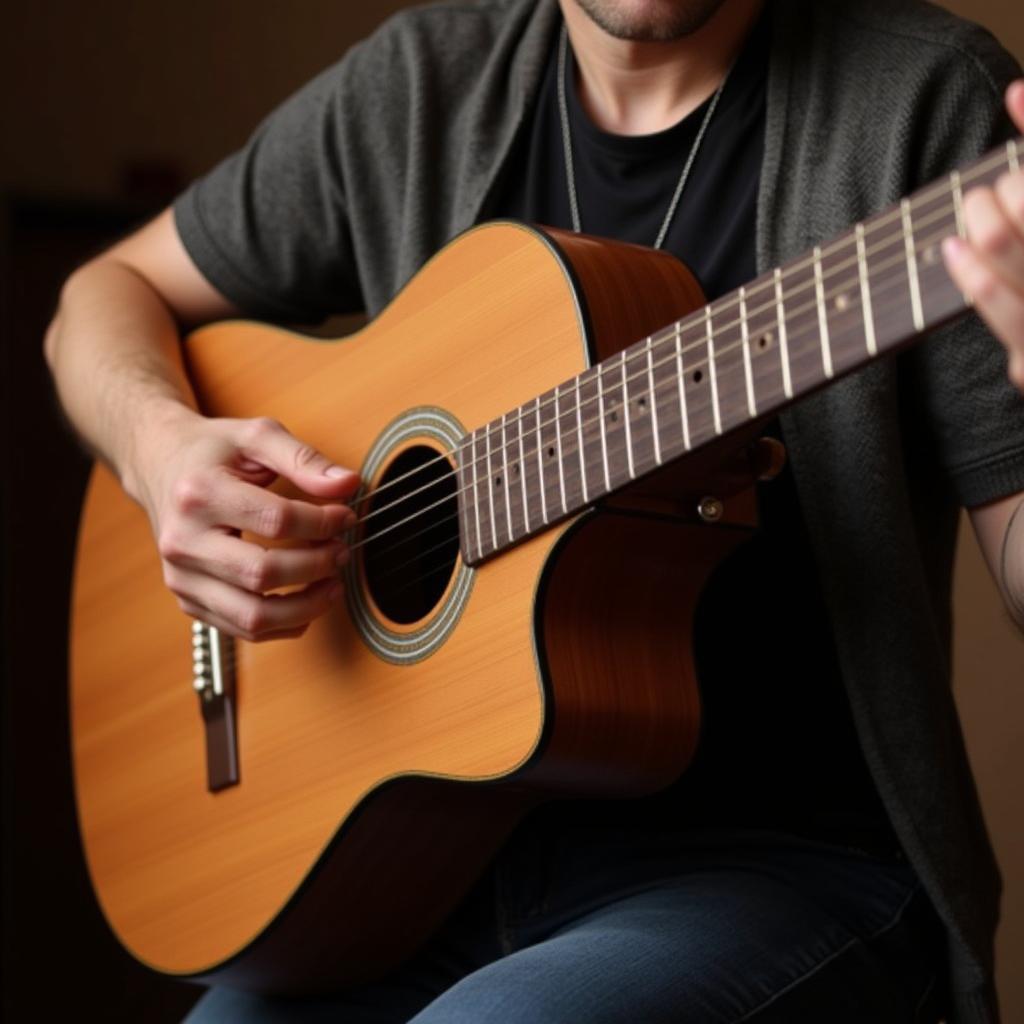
[(106, 109)]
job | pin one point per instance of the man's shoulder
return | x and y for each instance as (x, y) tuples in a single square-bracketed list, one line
[(917, 38)]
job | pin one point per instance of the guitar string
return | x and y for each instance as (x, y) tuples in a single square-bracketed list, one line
[(884, 303), (534, 432), (943, 190)]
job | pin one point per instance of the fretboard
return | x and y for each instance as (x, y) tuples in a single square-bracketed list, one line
[(738, 359)]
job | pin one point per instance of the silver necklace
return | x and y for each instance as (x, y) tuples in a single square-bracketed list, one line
[(570, 173)]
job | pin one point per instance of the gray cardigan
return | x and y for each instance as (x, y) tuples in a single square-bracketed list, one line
[(865, 101)]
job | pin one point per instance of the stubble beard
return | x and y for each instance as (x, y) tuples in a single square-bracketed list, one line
[(650, 21)]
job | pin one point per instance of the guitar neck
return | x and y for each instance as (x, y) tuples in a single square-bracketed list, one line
[(738, 359)]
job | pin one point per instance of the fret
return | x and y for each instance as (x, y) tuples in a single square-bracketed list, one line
[(747, 369), (766, 365), (847, 338), (683, 417), (1012, 160), (541, 448), (561, 457), (787, 382), (653, 402), (934, 220), (490, 487), (915, 287), (958, 203), (730, 377), (626, 418), (580, 443), (865, 294), (712, 370), (474, 462), (819, 290), (604, 434), (514, 492), (523, 469)]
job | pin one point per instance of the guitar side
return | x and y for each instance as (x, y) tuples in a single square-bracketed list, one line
[(373, 791)]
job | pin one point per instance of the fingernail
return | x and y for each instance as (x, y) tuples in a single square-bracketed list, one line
[(336, 472)]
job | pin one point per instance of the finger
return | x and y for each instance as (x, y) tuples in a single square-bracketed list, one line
[(991, 231), (201, 614), (1015, 103), (222, 500), (1000, 306), (250, 616), (268, 443), (258, 569)]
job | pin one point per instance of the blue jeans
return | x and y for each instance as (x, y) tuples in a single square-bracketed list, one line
[(609, 927)]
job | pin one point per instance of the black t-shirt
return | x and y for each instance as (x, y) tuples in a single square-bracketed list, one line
[(778, 748)]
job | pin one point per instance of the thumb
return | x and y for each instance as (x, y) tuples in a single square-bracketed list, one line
[(1015, 103), (272, 445)]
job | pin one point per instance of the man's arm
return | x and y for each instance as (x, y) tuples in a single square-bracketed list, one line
[(989, 267), (114, 350)]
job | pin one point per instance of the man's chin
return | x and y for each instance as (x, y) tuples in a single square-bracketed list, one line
[(650, 21)]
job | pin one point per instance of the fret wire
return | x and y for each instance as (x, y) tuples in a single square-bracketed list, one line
[(580, 444), (507, 485), (625, 419), (558, 443), (522, 472), (654, 403), (490, 490), (680, 377), (787, 383), (542, 483), (915, 289), (958, 204), (476, 503), (604, 437), (711, 367), (1011, 156), (745, 334), (865, 293), (819, 291)]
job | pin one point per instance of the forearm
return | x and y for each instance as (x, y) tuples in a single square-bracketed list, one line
[(1011, 568), (114, 350)]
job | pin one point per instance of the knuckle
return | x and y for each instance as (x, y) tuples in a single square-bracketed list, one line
[(272, 521), (252, 619), (306, 456), (188, 495), (257, 574), (170, 545)]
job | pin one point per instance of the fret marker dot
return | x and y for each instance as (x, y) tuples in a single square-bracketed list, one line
[(551, 453), (765, 340), (497, 481), (698, 376), (842, 302)]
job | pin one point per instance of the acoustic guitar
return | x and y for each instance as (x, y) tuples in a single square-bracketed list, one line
[(558, 442)]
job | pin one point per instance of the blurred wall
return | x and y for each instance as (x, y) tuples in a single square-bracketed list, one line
[(91, 90)]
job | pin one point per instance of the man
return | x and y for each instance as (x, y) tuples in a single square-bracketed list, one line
[(827, 864)]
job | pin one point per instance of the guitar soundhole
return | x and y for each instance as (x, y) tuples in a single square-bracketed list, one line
[(412, 537)]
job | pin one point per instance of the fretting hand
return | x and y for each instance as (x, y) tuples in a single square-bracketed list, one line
[(989, 266)]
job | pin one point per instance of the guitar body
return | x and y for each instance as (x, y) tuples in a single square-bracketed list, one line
[(379, 771)]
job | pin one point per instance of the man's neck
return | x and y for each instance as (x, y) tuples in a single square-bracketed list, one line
[(638, 88)]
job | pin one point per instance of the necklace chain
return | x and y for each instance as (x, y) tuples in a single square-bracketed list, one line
[(570, 172)]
